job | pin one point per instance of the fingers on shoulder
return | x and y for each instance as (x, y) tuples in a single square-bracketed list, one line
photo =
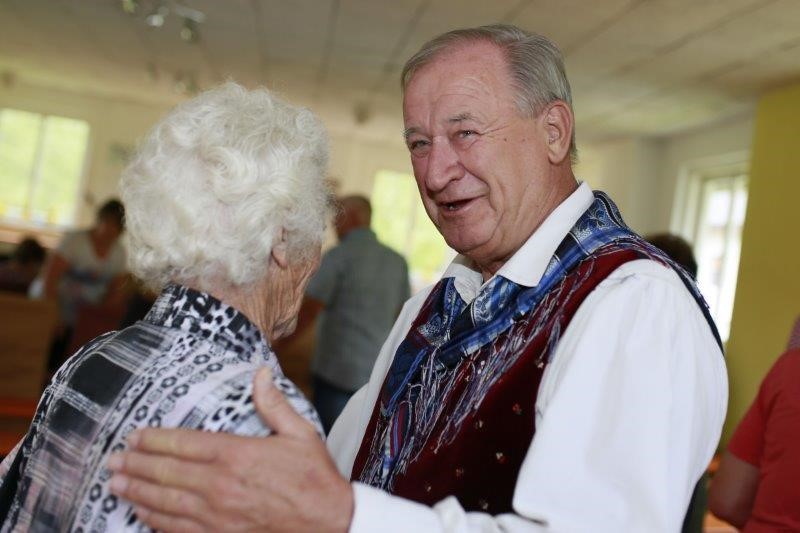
[(186, 444)]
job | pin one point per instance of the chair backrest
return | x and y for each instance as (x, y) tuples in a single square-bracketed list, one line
[(92, 322), (26, 329)]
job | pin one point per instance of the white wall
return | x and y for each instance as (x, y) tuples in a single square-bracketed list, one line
[(356, 152), (355, 159), (626, 169), (643, 176), (721, 143)]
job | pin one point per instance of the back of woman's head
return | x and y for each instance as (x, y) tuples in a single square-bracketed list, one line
[(215, 182)]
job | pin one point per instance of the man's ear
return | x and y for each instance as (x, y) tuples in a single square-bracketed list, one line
[(559, 123), (280, 249)]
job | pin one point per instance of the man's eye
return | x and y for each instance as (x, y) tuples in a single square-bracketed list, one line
[(416, 145), (466, 133)]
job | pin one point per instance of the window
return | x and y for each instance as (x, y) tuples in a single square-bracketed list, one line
[(41, 166), (400, 221), (714, 212)]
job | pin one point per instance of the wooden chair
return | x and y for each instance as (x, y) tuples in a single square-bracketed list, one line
[(25, 335), (92, 322)]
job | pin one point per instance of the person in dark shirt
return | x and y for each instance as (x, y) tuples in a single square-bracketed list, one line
[(17, 274)]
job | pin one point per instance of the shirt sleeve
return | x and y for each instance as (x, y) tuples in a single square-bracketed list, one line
[(67, 246), (322, 285), (629, 413), (5, 466), (747, 442)]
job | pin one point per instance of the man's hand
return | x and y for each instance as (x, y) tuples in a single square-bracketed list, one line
[(183, 480)]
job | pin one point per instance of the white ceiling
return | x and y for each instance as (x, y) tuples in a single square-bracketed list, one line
[(637, 67)]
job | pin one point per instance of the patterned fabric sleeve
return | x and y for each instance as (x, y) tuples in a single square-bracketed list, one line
[(189, 364), (236, 413), (8, 461)]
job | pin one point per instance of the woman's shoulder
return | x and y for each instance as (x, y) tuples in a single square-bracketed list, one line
[(233, 410)]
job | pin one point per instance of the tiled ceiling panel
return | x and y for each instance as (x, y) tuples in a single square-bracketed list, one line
[(639, 67)]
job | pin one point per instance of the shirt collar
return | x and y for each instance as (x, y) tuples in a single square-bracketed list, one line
[(359, 234), (526, 267), (201, 314)]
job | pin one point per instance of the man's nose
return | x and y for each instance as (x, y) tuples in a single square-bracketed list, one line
[(444, 165)]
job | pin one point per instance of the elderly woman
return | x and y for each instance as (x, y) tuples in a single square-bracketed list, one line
[(226, 208)]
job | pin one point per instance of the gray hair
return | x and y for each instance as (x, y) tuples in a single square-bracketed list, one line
[(214, 183), (535, 62)]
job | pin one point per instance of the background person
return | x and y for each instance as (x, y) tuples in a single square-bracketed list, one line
[(86, 269), (755, 488), (226, 209), (358, 291), (18, 272), (677, 248)]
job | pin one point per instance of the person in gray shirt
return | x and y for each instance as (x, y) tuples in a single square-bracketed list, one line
[(357, 293)]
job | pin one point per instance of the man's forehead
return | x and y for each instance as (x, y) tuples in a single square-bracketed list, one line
[(462, 65), (456, 84)]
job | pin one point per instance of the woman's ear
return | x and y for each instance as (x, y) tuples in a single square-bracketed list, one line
[(279, 251)]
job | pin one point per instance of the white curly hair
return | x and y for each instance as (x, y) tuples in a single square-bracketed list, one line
[(216, 181)]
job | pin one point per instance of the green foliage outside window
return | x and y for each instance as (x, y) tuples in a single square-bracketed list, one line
[(41, 161), (400, 221)]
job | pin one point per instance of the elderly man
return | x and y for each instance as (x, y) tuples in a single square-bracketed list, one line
[(563, 375)]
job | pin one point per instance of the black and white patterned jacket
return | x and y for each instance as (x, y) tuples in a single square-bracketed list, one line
[(190, 363)]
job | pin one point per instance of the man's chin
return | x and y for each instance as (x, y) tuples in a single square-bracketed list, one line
[(466, 245)]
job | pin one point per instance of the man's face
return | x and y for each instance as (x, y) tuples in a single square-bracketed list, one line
[(482, 169), (108, 228)]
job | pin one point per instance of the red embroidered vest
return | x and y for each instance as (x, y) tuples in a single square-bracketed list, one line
[(480, 461)]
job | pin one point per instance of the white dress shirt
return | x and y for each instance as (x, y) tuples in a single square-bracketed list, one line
[(628, 413)]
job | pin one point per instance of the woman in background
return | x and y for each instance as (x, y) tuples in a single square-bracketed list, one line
[(86, 269), (226, 210)]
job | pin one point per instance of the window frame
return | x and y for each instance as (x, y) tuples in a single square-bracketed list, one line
[(689, 203), (13, 230)]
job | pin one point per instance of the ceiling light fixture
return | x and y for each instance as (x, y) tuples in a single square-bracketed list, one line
[(187, 12), (189, 31), (130, 6), (157, 17)]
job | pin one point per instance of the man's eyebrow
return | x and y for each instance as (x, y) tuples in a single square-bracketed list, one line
[(408, 132), (461, 117)]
